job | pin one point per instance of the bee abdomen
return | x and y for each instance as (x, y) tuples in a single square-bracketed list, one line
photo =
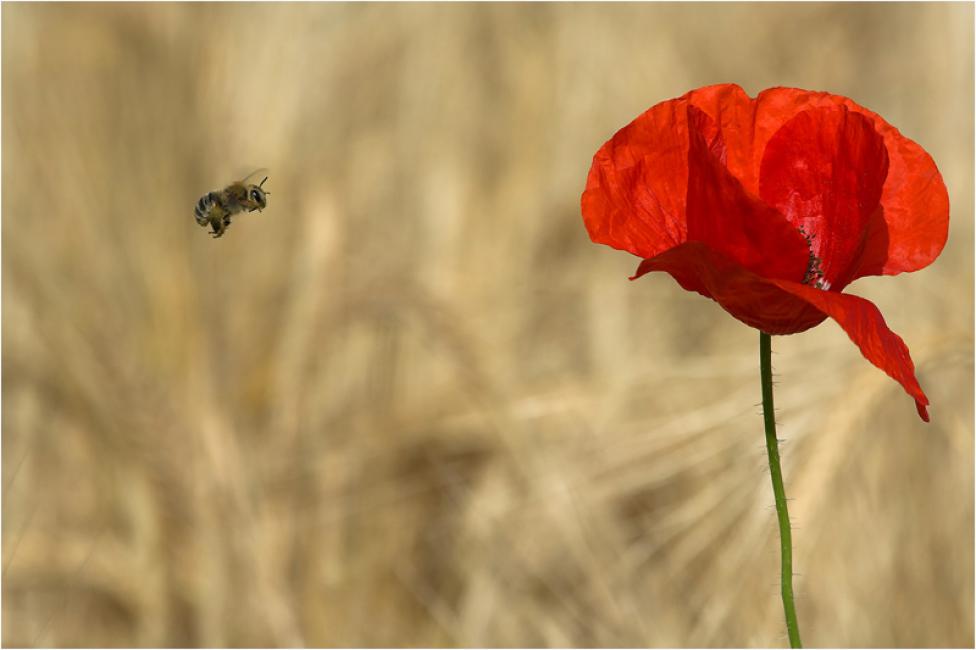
[(203, 208)]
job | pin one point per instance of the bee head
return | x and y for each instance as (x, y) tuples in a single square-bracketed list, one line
[(257, 196)]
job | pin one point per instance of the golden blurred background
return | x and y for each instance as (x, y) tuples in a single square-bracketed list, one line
[(410, 404)]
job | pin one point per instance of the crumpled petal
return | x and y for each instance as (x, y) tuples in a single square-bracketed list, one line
[(824, 171), (915, 202), (786, 307), (865, 325), (636, 189), (744, 128), (724, 216), (742, 293), (635, 196), (915, 207), (913, 225)]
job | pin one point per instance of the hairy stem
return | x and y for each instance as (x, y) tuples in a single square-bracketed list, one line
[(776, 474)]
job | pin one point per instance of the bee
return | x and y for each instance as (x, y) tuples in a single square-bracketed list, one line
[(216, 208)]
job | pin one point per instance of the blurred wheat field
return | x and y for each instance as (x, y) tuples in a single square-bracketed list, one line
[(410, 404)]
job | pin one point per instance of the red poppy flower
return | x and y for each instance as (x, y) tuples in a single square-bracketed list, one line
[(771, 206)]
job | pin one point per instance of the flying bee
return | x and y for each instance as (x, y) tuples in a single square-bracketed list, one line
[(216, 208)]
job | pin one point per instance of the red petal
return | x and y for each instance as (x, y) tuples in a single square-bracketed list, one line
[(915, 204), (784, 307), (635, 192), (914, 225), (742, 293), (744, 128), (864, 323), (824, 170), (916, 208), (724, 216)]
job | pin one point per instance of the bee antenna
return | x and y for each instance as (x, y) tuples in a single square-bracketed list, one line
[(262, 182)]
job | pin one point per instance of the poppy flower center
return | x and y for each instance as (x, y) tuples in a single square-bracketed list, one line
[(814, 275)]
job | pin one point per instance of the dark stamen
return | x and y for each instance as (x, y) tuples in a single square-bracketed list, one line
[(814, 275)]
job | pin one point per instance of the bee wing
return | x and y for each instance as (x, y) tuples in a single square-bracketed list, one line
[(256, 172)]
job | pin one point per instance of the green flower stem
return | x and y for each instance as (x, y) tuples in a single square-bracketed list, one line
[(785, 534)]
